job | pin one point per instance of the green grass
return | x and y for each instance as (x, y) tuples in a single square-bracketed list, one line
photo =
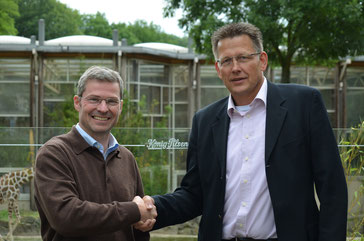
[(27, 238), (172, 239), (152, 239), (34, 214), (23, 213)]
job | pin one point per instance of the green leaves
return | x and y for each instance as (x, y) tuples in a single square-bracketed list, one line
[(96, 25), (307, 32), (140, 32), (8, 11), (61, 21), (351, 152)]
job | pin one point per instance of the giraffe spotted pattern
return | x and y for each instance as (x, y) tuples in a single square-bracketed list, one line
[(10, 184)]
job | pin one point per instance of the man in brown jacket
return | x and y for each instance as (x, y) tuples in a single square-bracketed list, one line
[(87, 186)]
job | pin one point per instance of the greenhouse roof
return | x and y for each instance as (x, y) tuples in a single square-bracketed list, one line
[(94, 46), (10, 39), (163, 46), (80, 40)]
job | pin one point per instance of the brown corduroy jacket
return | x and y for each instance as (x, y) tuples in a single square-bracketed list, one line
[(80, 196)]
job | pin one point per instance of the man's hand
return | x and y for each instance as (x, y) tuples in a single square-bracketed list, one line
[(149, 202), (145, 204), (147, 210)]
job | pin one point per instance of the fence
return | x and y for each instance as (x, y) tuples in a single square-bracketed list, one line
[(161, 155)]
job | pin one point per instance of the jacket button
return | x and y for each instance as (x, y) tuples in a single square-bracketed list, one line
[(219, 216)]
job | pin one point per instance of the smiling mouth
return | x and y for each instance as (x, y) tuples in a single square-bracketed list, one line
[(238, 79), (101, 118)]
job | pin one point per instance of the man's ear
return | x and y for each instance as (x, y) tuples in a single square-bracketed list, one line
[(218, 69), (76, 102), (263, 61)]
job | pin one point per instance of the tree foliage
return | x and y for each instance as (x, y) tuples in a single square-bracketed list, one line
[(59, 19), (314, 32), (8, 11), (96, 25), (141, 32)]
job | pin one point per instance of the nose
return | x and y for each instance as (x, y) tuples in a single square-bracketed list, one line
[(236, 65), (102, 107)]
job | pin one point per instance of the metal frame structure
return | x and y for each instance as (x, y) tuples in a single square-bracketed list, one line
[(183, 80)]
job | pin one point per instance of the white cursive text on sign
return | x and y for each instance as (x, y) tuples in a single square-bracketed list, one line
[(172, 143)]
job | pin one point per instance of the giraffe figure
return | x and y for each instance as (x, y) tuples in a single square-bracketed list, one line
[(9, 192)]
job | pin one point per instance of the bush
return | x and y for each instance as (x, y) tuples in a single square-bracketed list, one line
[(351, 149)]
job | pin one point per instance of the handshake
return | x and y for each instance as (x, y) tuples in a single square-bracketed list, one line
[(148, 213)]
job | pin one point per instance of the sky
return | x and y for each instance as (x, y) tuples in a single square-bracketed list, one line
[(127, 11)]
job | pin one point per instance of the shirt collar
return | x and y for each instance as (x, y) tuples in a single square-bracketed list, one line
[(113, 143), (89, 139), (262, 95)]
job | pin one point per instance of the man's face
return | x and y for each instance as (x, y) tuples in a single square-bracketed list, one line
[(97, 119), (243, 77)]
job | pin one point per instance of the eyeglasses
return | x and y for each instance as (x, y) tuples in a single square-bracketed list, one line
[(97, 101), (239, 59)]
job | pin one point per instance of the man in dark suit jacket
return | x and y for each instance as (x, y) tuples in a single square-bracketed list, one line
[(256, 158)]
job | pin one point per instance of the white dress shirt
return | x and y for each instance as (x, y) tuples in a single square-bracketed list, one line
[(248, 208)]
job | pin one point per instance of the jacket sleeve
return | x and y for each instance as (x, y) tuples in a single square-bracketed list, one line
[(329, 176), (58, 198), (185, 203)]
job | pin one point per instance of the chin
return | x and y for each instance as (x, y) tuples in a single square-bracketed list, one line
[(101, 129)]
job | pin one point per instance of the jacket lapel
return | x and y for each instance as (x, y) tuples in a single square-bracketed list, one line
[(276, 114), (220, 129)]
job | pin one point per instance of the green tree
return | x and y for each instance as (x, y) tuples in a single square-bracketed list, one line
[(8, 11), (59, 19), (62, 21), (141, 32), (314, 32), (125, 33), (96, 25)]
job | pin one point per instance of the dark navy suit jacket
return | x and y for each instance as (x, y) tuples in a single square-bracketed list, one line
[(300, 153)]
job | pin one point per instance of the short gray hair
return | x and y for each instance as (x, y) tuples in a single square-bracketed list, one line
[(237, 29), (101, 74)]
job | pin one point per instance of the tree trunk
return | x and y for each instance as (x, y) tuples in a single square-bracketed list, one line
[(286, 72)]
